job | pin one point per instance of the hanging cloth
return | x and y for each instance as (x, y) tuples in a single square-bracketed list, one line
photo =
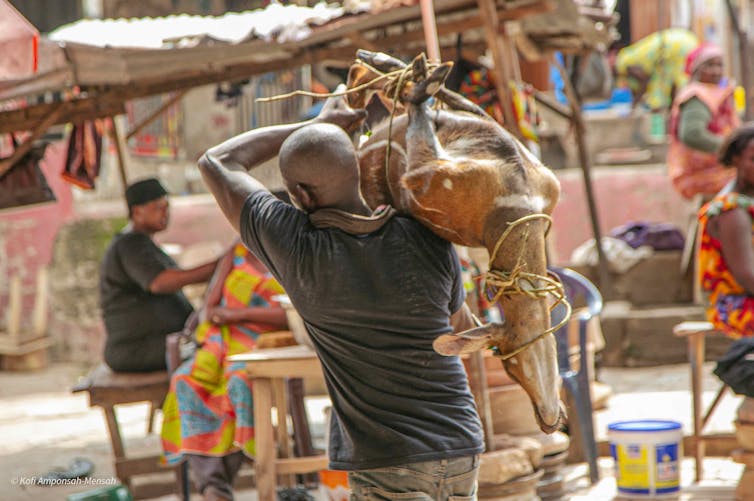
[(82, 163)]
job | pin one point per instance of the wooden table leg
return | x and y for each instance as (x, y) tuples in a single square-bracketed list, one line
[(264, 461), (696, 362), (283, 437)]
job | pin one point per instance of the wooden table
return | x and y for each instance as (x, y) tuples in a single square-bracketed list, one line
[(268, 370)]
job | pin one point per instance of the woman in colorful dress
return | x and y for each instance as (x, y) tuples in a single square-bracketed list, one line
[(208, 413), (726, 255), (653, 66), (703, 115)]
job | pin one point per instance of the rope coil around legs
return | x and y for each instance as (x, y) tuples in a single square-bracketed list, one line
[(520, 282)]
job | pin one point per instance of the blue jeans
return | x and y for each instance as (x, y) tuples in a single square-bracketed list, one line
[(443, 480)]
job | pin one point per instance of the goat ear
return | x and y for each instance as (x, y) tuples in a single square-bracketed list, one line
[(458, 344), (358, 74)]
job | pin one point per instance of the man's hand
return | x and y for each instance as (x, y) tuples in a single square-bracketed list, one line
[(220, 315), (337, 112)]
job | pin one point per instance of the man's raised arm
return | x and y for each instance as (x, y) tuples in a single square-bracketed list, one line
[(222, 166)]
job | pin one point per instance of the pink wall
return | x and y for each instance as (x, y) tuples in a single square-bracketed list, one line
[(622, 194), (27, 234)]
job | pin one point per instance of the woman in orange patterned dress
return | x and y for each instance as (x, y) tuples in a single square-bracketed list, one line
[(726, 255), (703, 114), (208, 413)]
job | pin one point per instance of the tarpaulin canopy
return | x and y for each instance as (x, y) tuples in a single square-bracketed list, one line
[(19, 41)]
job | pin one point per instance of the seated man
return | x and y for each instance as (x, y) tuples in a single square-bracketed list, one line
[(140, 285)]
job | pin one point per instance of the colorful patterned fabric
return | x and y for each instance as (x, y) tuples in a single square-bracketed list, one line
[(209, 409), (729, 308), (692, 171), (479, 88), (662, 56)]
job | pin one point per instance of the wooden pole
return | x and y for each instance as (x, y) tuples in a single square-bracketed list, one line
[(430, 30), (495, 41), (578, 126), (155, 114), (115, 138), (743, 56), (482, 397)]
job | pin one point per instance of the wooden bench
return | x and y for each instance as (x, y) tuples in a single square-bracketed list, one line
[(106, 390), (695, 334), (24, 347)]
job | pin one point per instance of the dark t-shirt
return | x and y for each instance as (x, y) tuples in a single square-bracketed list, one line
[(136, 320), (373, 304)]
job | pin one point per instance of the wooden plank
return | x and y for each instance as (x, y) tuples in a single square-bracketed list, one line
[(114, 396), (9, 346), (284, 368), (502, 74), (131, 466), (301, 465), (265, 461), (31, 361), (79, 109), (39, 130), (339, 28)]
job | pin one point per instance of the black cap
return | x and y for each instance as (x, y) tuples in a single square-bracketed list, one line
[(144, 191)]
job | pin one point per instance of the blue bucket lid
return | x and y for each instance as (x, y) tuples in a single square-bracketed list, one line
[(645, 425)]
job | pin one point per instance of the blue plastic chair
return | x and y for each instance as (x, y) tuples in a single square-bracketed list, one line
[(578, 291)]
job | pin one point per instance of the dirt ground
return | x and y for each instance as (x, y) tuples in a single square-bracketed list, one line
[(44, 427)]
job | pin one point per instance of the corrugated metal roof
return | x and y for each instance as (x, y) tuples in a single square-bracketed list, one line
[(282, 23)]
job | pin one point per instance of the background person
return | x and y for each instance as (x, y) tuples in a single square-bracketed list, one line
[(140, 285), (653, 67), (726, 255), (703, 114), (208, 415), (374, 290)]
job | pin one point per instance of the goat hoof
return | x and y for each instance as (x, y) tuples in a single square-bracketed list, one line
[(419, 68), (380, 61), (420, 92)]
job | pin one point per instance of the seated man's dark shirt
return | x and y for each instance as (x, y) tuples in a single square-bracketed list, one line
[(136, 320), (373, 304)]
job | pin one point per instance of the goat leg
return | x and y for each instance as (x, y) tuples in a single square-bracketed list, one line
[(457, 102), (380, 61)]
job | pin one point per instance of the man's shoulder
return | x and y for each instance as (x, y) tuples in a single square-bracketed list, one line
[(130, 238), (418, 229)]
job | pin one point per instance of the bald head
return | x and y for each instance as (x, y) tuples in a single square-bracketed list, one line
[(321, 159)]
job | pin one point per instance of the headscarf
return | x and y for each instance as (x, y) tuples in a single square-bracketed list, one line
[(700, 55), (144, 191)]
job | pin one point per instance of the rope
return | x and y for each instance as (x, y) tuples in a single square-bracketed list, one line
[(395, 78), (510, 283), (382, 76), (389, 147)]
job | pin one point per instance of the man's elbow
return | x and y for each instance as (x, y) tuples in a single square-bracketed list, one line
[(205, 163)]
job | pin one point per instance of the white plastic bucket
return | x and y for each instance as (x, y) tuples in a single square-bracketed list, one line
[(647, 457)]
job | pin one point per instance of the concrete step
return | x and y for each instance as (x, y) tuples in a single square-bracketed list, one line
[(643, 336), (655, 280)]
